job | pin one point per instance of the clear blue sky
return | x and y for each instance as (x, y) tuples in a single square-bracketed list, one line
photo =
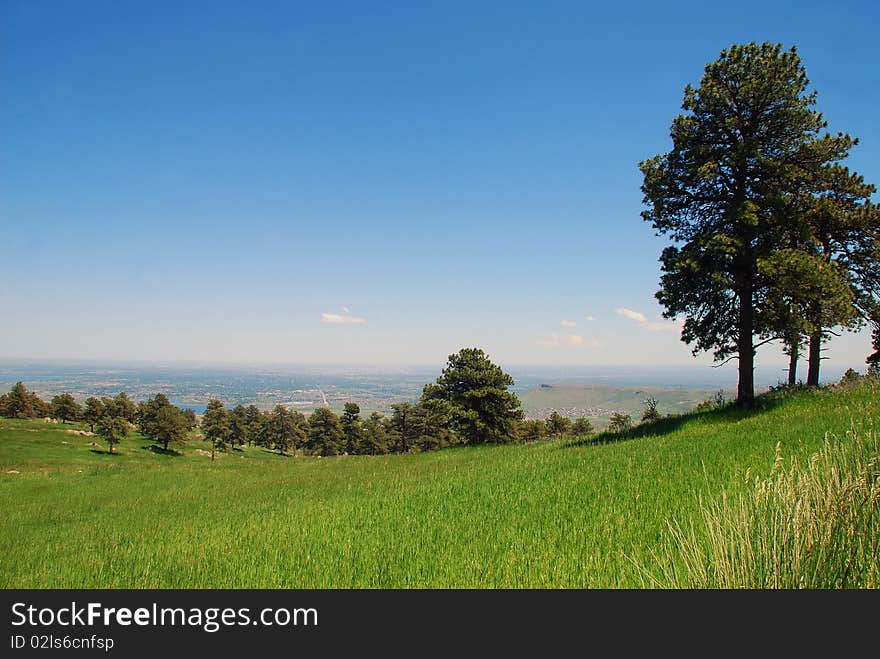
[(221, 181)]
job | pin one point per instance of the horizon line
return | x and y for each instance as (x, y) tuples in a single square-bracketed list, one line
[(102, 361)]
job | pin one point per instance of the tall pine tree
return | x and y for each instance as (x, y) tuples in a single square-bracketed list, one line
[(747, 131)]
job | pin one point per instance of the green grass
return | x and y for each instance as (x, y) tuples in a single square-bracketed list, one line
[(811, 523), (555, 514)]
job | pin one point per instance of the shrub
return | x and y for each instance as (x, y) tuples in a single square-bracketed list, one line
[(557, 425), (849, 378), (651, 412), (581, 426), (620, 422), (531, 430)]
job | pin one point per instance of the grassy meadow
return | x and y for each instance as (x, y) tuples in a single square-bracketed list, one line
[(590, 512)]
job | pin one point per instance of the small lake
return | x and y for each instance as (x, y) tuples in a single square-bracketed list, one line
[(198, 408)]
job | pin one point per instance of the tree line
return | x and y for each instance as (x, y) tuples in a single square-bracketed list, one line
[(773, 237), (421, 426), (468, 404)]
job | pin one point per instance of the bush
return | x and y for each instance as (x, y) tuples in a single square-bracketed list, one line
[(719, 400), (651, 412), (557, 425), (620, 422), (531, 430), (581, 426), (849, 378)]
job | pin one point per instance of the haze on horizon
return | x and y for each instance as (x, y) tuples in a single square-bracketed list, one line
[(367, 185)]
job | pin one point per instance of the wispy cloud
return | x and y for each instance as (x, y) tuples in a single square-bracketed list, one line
[(659, 325), (339, 319), (663, 326), (568, 323), (569, 340), (589, 318), (632, 315)]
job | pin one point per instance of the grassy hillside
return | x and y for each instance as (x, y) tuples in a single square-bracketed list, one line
[(557, 514)]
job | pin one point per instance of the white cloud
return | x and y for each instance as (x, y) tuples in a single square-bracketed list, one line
[(632, 315), (569, 340), (589, 318), (568, 323), (659, 325), (338, 319)]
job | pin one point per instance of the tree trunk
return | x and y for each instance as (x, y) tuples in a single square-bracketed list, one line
[(815, 357), (745, 393), (212, 451), (111, 447), (166, 445), (794, 350)]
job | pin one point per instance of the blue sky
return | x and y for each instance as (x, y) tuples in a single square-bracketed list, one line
[(222, 181)]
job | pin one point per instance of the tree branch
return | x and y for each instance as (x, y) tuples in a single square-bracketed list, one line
[(725, 361)]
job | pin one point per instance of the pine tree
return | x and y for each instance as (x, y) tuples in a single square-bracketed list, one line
[(748, 136), (284, 430), (112, 429), (65, 407), (532, 430), (473, 395), (374, 435), (171, 426), (157, 419), (351, 427), (123, 407), (93, 411), (431, 426), (557, 425), (40, 407), (20, 403), (238, 426), (190, 420), (405, 430), (806, 294), (215, 425), (325, 433), (845, 236), (254, 423), (145, 414)]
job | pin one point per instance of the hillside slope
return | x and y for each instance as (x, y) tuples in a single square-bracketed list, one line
[(555, 514)]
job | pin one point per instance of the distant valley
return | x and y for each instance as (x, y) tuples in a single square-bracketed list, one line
[(306, 388), (599, 401)]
